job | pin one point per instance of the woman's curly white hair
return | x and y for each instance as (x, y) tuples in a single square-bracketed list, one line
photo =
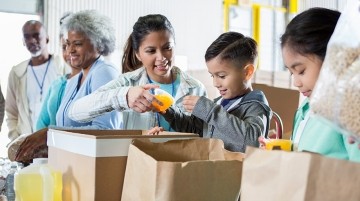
[(97, 27)]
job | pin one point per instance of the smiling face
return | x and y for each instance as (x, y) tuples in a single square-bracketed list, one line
[(304, 69), (81, 50), (229, 79), (156, 54)]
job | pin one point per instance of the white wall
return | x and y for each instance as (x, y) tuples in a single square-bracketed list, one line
[(12, 53), (331, 4), (18, 6), (196, 23)]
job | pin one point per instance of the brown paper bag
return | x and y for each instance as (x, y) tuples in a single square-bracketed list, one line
[(298, 176), (182, 170)]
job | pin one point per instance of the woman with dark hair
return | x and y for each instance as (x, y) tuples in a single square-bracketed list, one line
[(149, 50)]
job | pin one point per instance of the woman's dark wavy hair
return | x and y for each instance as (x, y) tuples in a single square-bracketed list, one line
[(310, 31), (234, 47), (144, 26)]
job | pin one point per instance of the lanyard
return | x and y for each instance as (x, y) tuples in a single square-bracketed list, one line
[(43, 79), (172, 94), (73, 94)]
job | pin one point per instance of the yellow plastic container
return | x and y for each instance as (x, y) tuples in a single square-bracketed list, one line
[(278, 144), (38, 182), (165, 98)]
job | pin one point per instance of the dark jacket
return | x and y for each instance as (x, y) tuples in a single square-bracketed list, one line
[(241, 125)]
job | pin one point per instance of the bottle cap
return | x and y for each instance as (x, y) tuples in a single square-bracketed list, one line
[(40, 160)]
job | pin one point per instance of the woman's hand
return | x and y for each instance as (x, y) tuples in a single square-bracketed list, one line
[(189, 102), (31, 145), (155, 131), (139, 98)]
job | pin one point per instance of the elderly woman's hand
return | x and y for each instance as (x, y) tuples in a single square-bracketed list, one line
[(32, 146), (139, 98)]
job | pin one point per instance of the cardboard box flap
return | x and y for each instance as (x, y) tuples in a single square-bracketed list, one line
[(103, 143), (107, 134), (183, 150)]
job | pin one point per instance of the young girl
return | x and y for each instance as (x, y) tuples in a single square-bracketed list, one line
[(240, 115), (150, 44), (304, 46)]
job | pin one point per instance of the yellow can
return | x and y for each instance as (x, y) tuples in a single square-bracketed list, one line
[(278, 144)]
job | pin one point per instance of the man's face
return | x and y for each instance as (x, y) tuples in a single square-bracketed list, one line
[(35, 38)]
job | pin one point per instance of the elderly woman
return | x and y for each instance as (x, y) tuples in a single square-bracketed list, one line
[(89, 36), (52, 101)]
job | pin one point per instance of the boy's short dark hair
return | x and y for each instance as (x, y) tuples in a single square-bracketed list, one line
[(235, 47)]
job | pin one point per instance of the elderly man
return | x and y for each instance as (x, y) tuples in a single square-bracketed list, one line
[(29, 81)]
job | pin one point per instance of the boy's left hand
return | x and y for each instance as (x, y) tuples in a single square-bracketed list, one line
[(189, 102)]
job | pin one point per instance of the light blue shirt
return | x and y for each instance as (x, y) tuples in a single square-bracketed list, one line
[(99, 74), (47, 116)]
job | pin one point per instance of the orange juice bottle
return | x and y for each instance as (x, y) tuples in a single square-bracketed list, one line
[(165, 98), (38, 182)]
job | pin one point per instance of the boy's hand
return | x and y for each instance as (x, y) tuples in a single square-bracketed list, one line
[(189, 102)]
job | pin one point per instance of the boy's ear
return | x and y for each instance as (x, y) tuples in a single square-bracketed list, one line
[(249, 71)]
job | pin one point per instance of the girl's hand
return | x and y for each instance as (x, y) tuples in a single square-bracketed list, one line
[(189, 102), (155, 131), (351, 140), (139, 98), (262, 142)]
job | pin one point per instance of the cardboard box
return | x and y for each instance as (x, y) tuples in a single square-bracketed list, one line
[(282, 101), (93, 162)]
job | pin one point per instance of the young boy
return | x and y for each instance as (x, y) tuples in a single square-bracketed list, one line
[(240, 115)]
